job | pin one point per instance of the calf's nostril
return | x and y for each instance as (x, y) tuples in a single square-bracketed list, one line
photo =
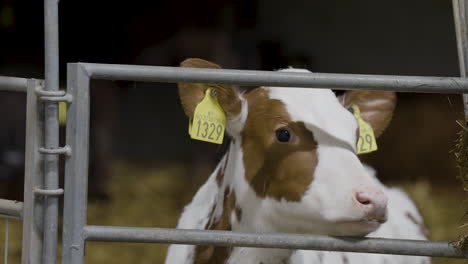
[(373, 205), (362, 198)]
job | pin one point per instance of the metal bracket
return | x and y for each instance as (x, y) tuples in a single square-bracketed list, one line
[(66, 98), (40, 92), (43, 192), (53, 96), (66, 150)]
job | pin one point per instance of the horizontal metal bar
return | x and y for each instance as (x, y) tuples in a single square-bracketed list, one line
[(269, 240), (283, 79), (13, 84), (11, 208)]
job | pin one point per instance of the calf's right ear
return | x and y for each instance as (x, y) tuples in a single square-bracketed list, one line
[(191, 94), (376, 107)]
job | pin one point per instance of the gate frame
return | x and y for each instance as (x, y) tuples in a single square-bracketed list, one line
[(76, 231), (31, 210), (39, 210)]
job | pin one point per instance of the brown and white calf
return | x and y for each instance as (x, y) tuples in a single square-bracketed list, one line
[(292, 167)]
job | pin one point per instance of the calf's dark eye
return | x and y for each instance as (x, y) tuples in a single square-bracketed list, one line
[(283, 135)]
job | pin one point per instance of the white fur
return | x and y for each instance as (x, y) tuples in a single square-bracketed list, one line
[(398, 226), (312, 106), (235, 125), (196, 216)]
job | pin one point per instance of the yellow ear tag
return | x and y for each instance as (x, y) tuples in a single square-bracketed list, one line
[(366, 142), (62, 113), (209, 120)]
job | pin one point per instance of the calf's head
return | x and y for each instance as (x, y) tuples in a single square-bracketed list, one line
[(297, 168)]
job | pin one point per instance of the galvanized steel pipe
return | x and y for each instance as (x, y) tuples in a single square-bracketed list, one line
[(76, 166), (270, 240), (415, 84), (51, 135), (460, 19), (11, 208), (33, 213), (13, 84)]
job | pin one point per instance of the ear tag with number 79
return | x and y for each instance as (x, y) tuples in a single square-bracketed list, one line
[(209, 120), (366, 142)]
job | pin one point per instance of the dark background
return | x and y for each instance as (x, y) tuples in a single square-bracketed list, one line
[(144, 123)]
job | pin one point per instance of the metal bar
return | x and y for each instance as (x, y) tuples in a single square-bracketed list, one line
[(7, 233), (13, 84), (11, 208), (51, 45), (76, 167), (49, 254), (271, 240), (460, 17), (283, 79), (33, 178)]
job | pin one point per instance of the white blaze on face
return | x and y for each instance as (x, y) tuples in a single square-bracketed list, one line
[(321, 113), (330, 204)]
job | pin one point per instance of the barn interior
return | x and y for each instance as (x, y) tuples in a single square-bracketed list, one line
[(144, 168)]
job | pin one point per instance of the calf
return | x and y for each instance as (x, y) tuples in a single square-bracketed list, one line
[(292, 167)]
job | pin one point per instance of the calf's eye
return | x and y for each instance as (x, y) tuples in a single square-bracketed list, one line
[(283, 135)]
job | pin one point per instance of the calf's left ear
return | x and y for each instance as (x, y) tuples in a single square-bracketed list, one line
[(376, 107), (191, 94)]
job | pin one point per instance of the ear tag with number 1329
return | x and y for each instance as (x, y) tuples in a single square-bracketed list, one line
[(366, 142), (209, 120)]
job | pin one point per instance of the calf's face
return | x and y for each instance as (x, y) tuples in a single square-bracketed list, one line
[(298, 155)]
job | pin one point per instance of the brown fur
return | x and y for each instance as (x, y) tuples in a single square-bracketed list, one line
[(220, 176), (238, 214), (212, 254), (376, 107), (191, 94), (281, 170)]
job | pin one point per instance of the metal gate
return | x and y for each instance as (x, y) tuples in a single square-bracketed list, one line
[(40, 212), (31, 209)]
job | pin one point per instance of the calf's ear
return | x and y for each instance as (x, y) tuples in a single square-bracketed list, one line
[(376, 107), (191, 94)]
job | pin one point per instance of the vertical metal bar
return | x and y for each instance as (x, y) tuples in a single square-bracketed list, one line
[(76, 166), (7, 231), (51, 44), (51, 139), (460, 19), (33, 178)]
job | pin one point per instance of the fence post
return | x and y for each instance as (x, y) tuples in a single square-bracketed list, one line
[(460, 19), (33, 178), (76, 166), (51, 130)]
